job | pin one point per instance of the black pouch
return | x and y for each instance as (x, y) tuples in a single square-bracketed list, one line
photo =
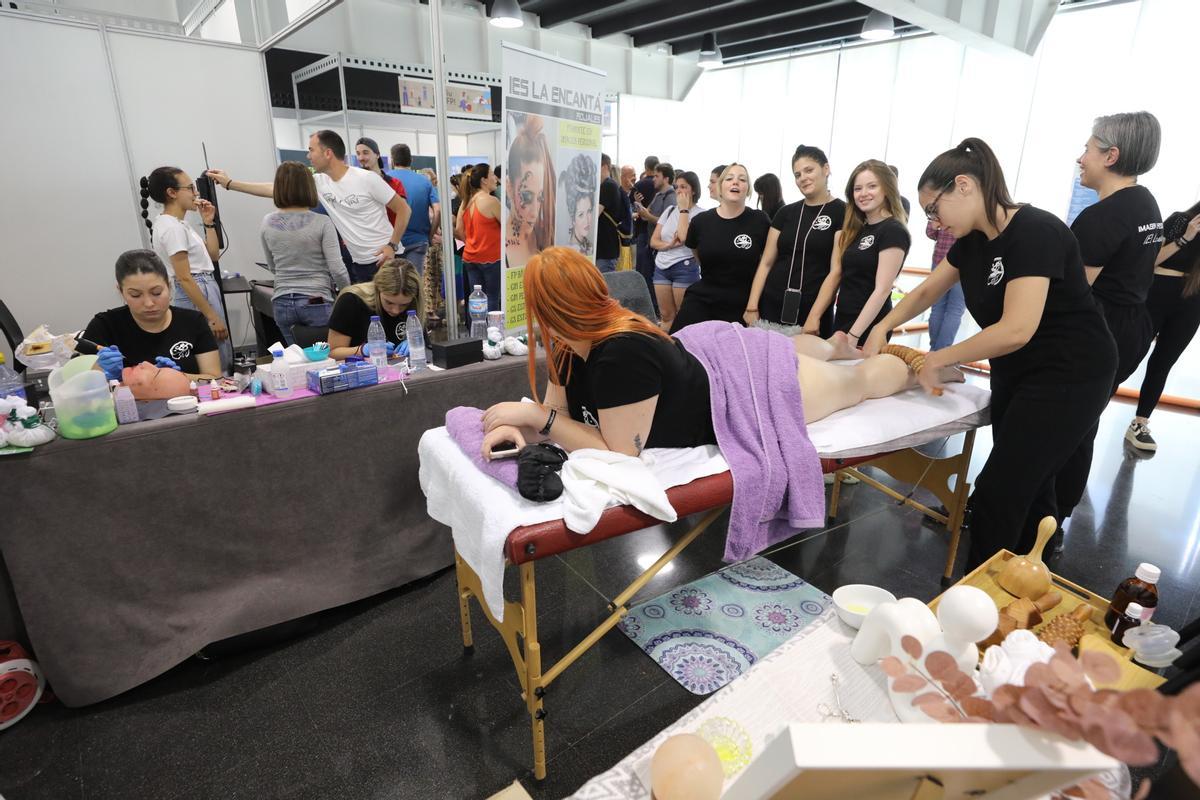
[(538, 466)]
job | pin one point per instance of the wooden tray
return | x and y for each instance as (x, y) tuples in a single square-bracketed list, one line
[(1133, 676)]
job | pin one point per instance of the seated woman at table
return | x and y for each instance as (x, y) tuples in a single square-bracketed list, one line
[(391, 294), (618, 382), (148, 328)]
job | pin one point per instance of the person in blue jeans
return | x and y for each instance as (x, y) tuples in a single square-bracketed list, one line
[(426, 206), (302, 252), (946, 314)]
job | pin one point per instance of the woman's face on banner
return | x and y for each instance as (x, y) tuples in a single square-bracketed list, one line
[(581, 223), (527, 190)]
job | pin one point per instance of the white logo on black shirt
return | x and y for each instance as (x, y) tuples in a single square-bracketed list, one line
[(401, 332), (180, 350), (866, 241), (588, 419), (822, 223), (997, 272), (742, 241)]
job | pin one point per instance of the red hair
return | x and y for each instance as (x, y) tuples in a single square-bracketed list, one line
[(565, 292)]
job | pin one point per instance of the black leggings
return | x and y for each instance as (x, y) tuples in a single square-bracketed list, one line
[(1175, 319), (1035, 430), (1132, 331)]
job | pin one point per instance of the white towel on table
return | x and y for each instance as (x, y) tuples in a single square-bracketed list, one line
[(593, 478), (481, 511)]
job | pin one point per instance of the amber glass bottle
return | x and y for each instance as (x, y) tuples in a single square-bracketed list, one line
[(1140, 589)]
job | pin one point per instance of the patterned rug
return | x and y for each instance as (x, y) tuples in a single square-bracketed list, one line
[(707, 632)]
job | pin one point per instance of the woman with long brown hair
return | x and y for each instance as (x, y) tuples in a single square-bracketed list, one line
[(618, 382), (1174, 306), (868, 255), (478, 225), (529, 193)]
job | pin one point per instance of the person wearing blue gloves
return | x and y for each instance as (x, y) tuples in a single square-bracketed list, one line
[(390, 294), (148, 328)]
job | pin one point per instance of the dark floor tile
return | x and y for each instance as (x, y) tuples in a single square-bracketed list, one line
[(290, 765), (39, 756)]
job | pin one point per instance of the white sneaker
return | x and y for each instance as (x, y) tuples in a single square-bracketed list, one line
[(1138, 435)]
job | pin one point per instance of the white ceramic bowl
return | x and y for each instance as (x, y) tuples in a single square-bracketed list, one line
[(855, 600)]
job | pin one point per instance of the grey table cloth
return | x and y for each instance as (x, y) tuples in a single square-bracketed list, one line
[(128, 553)]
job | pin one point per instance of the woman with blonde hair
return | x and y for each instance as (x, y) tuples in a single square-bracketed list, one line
[(302, 252), (390, 295), (618, 382), (867, 255), (529, 194)]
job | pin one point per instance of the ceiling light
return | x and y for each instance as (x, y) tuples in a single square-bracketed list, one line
[(710, 54), (507, 14), (878, 25)]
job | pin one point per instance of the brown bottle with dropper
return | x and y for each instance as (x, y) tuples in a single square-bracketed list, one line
[(1141, 589)]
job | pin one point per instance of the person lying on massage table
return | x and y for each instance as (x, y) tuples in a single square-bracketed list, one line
[(619, 383)]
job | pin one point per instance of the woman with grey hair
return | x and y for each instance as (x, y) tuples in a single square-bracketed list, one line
[(578, 184), (1119, 239)]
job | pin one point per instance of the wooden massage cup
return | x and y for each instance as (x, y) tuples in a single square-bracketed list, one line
[(1027, 576)]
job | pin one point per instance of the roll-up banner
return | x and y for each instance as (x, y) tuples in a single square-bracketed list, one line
[(552, 112)]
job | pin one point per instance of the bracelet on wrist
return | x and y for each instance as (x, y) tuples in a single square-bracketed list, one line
[(545, 431), (853, 335), (1182, 242), (751, 310)]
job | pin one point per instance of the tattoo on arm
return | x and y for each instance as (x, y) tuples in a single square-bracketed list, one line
[(637, 443)]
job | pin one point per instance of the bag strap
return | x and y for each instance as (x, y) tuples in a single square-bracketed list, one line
[(624, 238)]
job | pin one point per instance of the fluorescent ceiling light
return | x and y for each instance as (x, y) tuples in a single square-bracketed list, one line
[(710, 54), (506, 14), (878, 25)]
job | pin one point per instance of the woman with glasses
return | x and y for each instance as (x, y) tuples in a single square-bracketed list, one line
[(1052, 357), (189, 257)]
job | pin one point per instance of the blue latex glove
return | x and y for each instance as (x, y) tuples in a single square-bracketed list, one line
[(166, 363), (402, 349), (366, 349), (111, 361)]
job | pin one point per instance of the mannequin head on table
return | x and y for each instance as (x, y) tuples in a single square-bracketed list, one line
[(149, 382)]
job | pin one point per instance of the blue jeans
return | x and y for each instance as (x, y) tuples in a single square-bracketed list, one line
[(607, 264), (208, 287), (487, 276), (416, 254), (295, 309), (681, 274), (945, 317)]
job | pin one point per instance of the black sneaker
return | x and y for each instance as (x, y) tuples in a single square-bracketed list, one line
[(1138, 435)]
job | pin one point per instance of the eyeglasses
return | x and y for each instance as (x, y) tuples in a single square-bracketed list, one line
[(931, 210), (191, 187)]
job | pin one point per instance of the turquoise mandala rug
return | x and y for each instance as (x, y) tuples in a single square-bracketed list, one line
[(707, 632)]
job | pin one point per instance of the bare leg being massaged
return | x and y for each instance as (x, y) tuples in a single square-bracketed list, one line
[(620, 383)]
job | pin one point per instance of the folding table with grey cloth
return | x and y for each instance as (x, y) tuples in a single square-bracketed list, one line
[(128, 553)]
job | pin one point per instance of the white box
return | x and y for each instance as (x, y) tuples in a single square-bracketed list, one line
[(297, 373)]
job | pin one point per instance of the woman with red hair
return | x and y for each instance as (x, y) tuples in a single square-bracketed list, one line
[(618, 382)]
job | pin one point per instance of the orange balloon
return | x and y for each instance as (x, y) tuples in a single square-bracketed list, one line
[(685, 767)]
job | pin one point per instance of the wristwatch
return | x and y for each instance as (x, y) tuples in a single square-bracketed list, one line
[(395, 247)]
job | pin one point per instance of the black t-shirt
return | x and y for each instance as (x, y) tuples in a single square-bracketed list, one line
[(352, 317), (186, 337), (646, 187), (729, 250), (631, 367), (1123, 234), (813, 252), (860, 262), (1072, 340), (608, 244)]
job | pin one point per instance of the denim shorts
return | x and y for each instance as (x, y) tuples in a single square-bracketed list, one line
[(680, 275)]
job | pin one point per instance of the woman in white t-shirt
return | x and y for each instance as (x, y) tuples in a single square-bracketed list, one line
[(676, 266), (188, 256)]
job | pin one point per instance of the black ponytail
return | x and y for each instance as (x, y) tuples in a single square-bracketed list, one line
[(971, 157), (155, 186)]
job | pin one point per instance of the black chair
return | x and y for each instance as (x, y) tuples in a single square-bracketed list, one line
[(307, 336), (628, 288), (12, 334)]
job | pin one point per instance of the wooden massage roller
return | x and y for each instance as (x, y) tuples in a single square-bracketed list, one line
[(914, 359)]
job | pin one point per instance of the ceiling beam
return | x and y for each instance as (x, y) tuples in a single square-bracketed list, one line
[(793, 41), (658, 12), (556, 13), (792, 23), (712, 20)]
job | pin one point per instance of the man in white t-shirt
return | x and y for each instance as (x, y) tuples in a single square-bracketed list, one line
[(356, 200)]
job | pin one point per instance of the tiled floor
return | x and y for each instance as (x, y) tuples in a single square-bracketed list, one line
[(377, 700)]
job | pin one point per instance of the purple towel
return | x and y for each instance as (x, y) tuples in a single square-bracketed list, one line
[(465, 424), (758, 417)]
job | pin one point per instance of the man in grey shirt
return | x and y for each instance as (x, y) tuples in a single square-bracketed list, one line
[(664, 196)]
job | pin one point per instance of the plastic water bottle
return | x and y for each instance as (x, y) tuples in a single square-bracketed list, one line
[(477, 307), (281, 385), (416, 342), (377, 346), (11, 383)]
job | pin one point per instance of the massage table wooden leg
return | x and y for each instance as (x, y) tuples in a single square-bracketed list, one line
[(834, 498), (464, 604)]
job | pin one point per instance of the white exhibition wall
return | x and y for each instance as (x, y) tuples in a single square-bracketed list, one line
[(905, 101), (78, 209)]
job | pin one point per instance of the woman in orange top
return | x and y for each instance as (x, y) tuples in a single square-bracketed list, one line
[(478, 224)]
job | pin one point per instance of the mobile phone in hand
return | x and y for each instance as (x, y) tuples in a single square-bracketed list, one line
[(504, 450)]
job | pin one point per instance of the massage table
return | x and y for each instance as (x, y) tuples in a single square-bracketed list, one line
[(882, 433)]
